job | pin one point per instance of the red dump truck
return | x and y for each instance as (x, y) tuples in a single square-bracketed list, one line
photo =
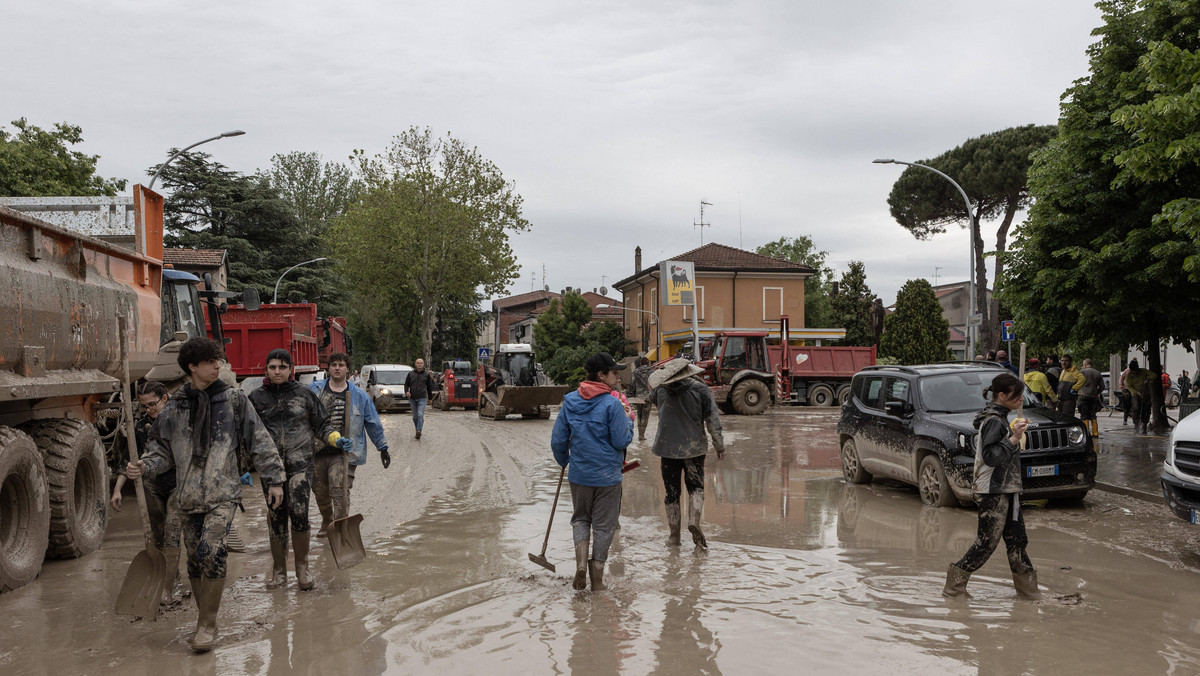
[(251, 335), (746, 373)]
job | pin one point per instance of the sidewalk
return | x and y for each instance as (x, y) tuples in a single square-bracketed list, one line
[(1127, 463)]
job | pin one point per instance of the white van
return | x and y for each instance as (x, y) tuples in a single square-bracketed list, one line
[(1181, 471), (385, 384)]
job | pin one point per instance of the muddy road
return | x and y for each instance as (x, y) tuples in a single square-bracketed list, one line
[(804, 573)]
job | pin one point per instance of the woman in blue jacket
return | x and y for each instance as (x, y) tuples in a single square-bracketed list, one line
[(591, 434)]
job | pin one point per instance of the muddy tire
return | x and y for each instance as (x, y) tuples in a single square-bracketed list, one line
[(852, 468), (933, 485), (843, 395), (544, 413), (750, 397), (77, 485), (1173, 400), (24, 510), (821, 395)]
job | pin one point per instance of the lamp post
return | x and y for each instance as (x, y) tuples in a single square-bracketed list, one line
[(971, 330), (657, 323), (275, 298), (235, 132)]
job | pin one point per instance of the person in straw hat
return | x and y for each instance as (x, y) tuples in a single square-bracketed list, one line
[(685, 409)]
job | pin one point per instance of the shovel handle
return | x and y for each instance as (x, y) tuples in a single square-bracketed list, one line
[(553, 509), (130, 435)]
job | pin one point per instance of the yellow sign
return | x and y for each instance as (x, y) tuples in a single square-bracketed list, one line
[(678, 283)]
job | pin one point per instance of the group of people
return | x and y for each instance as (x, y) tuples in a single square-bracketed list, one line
[(198, 445), (591, 436)]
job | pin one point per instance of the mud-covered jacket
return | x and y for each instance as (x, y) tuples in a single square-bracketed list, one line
[(641, 381), (296, 419), (590, 434), (361, 419), (1138, 382), (685, 409), (997, 460), (203, 486)]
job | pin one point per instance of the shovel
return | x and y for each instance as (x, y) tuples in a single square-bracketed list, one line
[(147, 575), (540, 559), (344, 538)]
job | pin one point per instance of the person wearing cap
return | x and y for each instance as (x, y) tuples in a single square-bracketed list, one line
[(685, 409), (1038, 384), (590, 437), (1002, 359)]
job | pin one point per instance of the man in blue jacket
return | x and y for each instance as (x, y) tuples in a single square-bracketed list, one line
[(591, 434), (351, 413)]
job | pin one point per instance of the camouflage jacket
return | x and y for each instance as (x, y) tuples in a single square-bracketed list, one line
[(202, 487), (296, 419)]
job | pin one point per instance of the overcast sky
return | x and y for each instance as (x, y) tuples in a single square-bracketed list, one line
[(613, 118)]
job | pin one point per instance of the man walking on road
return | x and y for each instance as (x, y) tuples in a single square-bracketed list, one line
[(1089, 397), (418, 386), (685, 409), (641, 390), (351, 413), (198, 435)]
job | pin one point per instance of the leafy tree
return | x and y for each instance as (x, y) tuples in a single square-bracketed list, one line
[(802, 250), (35, 162), (319, 191), (566, 336), (1098, 258), (916, 333), (561, 324), (457, 333), (433, 220), (851, 306), (992, 169)]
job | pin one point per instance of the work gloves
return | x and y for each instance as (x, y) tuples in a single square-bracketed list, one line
[(247, 480), (345, 443), (385, 457)]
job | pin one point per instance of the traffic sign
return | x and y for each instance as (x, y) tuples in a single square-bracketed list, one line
[(1006, 330), (975, 320), (485, 352)]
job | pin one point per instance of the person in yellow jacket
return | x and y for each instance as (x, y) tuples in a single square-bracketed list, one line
[(1069, 382), (1038, 383)]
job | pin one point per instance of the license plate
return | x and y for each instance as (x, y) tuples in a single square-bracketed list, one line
[(1044, 470)]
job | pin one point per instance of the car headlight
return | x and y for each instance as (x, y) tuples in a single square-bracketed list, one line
[(384, 390), (1075, 435)]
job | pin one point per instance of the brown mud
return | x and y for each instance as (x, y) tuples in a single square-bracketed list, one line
[(804, 573)]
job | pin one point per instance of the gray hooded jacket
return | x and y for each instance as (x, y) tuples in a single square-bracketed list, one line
[(685, 408), (997, 460)]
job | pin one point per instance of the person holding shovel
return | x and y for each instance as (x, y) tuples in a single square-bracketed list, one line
[(590, 436), (685, 409), (197, 436), (298, 423), (997, 489)]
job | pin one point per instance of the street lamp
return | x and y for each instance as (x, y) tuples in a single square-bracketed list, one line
[(235, 132), (971, 266), (657, 324), (275, 298)]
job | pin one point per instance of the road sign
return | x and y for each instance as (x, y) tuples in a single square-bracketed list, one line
[(1006, 330), (975, 320), (677, 281), (485, 353)]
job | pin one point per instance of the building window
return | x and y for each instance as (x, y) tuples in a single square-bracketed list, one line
[(772, 303), (638, 305), (654, 295), (687, 309)]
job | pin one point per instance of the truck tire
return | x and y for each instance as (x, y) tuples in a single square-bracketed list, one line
[(24, 510), (77, 485), (750, 397), (821, 395), (843, 395)]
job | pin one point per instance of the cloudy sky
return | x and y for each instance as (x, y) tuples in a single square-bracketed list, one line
[(613, 118)]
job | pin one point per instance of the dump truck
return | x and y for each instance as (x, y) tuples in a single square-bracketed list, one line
[(514, 385), (746, 373), (458, 383), (60, 365), (251, 335)]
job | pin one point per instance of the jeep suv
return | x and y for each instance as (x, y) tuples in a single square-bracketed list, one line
[(914, 424), (1181, 471)]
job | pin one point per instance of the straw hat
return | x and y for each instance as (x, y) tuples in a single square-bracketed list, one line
[(673, 372)]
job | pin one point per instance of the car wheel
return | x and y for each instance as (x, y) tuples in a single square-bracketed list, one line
[(821, 395), (852, 468), (933, 485), (750, 397), (1174, 402)]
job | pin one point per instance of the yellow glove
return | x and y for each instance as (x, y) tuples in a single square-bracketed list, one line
[(333, 438)]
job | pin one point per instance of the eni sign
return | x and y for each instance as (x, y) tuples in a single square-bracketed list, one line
[(678, 283)]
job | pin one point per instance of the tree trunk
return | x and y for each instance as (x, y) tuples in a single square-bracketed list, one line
[(993, 314), (429, 314), (987, 338)]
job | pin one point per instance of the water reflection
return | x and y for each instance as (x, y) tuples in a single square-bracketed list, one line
[(685, 645)]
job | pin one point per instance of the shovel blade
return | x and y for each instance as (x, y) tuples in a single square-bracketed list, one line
[(345, 541), (541, 561), (143, 586)]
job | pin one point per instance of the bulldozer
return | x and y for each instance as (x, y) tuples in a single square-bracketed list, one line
[(513, 384)]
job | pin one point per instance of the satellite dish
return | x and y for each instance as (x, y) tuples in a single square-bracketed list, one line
[(604, 291), (545, 287)]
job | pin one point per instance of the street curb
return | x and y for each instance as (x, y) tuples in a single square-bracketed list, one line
[(1131, 492)]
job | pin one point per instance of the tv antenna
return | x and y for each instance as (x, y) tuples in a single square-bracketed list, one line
[(935, 275), (702, 224)]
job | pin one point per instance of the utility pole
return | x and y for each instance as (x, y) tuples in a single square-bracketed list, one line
[(935, 275), (702, 224)]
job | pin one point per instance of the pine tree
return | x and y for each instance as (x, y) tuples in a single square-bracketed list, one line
[(851, 306), (916, 333)]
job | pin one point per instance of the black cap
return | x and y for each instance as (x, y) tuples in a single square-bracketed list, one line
[(602, 361)]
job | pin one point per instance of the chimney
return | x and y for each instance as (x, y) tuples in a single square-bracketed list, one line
[(637, 260), (594, 290)]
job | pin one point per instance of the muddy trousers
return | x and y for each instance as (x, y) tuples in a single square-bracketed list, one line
[(997, 521), (164, 516), (294, 507), (692, 470), (1140, 409), (596, 515), (327, 486), (643, 418), (204, 538)]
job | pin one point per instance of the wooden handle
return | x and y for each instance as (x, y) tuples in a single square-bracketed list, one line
[(130, 435), (553, 509)]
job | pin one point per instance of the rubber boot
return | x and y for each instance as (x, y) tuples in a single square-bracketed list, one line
[(956, 582), (596, 570), (278, 564), (171, 554), (300, 544), (696, 505), (1026, 585), (1095, 425), (581, 560), (673, 517), (208, 603)]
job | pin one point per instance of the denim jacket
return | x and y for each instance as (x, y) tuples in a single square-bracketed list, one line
[(362, 419)]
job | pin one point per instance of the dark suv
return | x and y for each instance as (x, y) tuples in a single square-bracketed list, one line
[(914, 424)]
